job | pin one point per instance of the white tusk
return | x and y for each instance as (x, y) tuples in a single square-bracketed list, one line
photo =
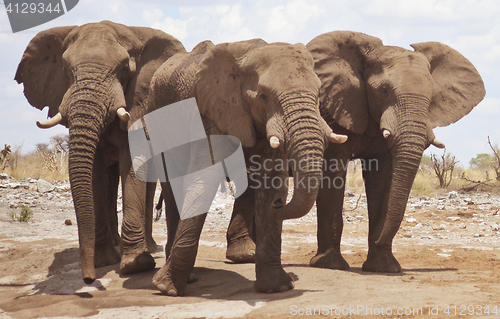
[(386, 133), (338, 138), (50, 122), (274, 142), (438, 143), (123, 114)]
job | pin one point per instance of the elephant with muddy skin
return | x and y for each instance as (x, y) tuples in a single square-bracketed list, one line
[(266, 95), (387, 100), (93, 78)]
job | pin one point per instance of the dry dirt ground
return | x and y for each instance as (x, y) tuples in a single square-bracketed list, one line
[(448, 247)]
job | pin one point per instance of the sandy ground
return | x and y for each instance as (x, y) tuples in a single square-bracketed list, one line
[(448, 247)]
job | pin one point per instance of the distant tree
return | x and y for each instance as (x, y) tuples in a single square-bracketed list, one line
[(42, 147), (481, 161), (496, 159), (443, 167), (60, 142)]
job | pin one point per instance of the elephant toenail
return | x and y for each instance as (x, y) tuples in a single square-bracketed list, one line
[(283, 288), (172, 293)]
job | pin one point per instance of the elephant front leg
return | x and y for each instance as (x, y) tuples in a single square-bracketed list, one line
[(330, 203), (240, 233), (135, 257), (173, 277), (104, 189), (271, 195), (377, 184)]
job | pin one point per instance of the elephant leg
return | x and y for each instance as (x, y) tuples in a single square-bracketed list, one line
[(135, 257), (150, 193), (173, 277), (102, 182), (240, 233), (172, 216), (377, 184), (270, 275), (329, 204)]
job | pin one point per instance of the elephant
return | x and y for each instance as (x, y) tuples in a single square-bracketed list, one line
[(387, 100), (94, 77), (266, 95)]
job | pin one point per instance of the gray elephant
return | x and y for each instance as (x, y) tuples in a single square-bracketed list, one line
[(91, 76), (266, 95), (387, 100)]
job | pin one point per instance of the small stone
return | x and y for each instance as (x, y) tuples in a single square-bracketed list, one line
[(68, 222), (453, 218), (495, 227), (349, 194), (411, 220), (452, 195), (14, 185), (440, 227), (44, 187), (469, 201), (6, 176)]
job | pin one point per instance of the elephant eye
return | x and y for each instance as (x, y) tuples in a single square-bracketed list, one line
[(263, 97), (384, 90)]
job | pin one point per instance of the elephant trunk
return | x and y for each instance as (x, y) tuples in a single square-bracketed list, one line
[(86, 117), (407, 145), (304, 150)]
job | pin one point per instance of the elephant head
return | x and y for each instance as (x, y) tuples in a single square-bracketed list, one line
[(403, 93), (253, 89), (88, 75)]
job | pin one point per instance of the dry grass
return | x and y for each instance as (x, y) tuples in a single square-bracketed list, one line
[(35, 165)]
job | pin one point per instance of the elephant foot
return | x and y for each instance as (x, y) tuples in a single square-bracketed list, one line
[(274, 281), (171, 285), (241, 251), (105, 255), (151, 244), (136, 263), (382, 261), (331, 259)]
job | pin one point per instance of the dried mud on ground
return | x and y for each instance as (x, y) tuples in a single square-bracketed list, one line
[(448, 247)]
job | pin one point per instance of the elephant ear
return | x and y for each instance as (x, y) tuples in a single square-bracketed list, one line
[(218, 89), (458, 87), (339, 61), (41, 69), (156, 47)]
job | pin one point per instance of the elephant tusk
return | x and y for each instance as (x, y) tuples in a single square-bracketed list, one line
[(50, 122), (123, 114), (274, 142), (338, 138), (438, 143), (386, 133)]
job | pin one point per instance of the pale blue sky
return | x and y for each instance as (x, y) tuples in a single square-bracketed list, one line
[(470, 26)]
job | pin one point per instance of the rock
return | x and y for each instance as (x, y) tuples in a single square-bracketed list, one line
[(453, 218), (6, 176), (349, 194), (68, 222), (469, 201), (440, 227), (411, 220), (14, 185), (424, 198), (44, 187), (495, 227), (452, 195)]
